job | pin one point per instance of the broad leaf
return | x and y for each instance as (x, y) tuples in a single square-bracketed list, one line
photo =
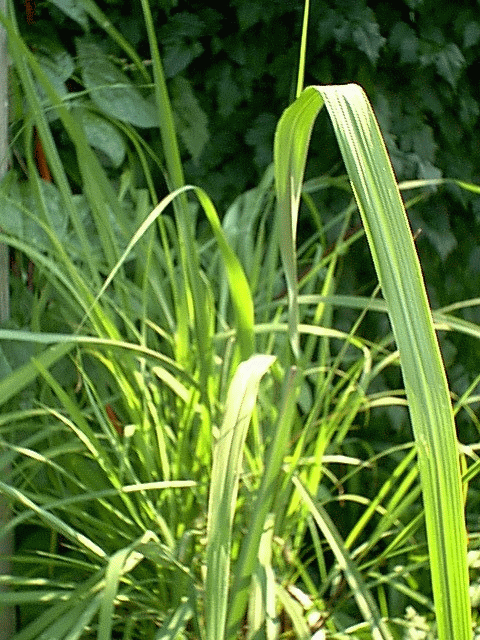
[(111, 90), (191, 120), (104, 136), (74, 10)]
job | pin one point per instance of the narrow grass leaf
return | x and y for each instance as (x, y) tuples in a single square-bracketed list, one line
[(303, 49), (227, 466), (176, 623), (295, 612), (239, 287), (79, 620), (20, 378), (192, 283), (248, 556), (399, 273), (119, 563), (398, 269), (362, 595), (290, 150), (262, 618), (53, 521), (62, 618), (114, 570)]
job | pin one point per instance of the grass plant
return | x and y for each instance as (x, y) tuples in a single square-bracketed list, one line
[(184, 440)]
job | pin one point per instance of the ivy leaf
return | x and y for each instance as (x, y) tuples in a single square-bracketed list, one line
[(447, 58), (471, 35), (260, 137), (179, 37), (404, 40), (438, 231), (361, 28), (328, 26), (426, 170), (229, 94), (368, 39), (191, 120), (74, 10), (58, 65), (449, 63), (424, 143), (111, 90), (469, 111), (178, 55), (182, 25), (104, 136), (20, 211), (249, 14)]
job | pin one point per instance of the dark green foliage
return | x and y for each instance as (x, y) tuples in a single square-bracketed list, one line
[(231, 72), (417, 59)]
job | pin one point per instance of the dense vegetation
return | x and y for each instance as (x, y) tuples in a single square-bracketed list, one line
[(128, 374), (232, 72)]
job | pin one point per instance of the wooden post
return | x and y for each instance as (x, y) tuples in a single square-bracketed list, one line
[(4, 262), (7, 614)]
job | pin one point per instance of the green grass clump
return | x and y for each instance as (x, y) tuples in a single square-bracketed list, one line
[(183, 436)]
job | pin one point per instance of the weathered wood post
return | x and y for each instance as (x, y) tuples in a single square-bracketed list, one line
[(7, 614)]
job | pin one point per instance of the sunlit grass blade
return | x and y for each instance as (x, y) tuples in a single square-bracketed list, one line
[(20, 378), (227, 467), (120, 562), (251, 543), (262, 617), (175, 624), (290, 152), (381, 494), (55, 622), (239, 288), (398, 269), (362, 595), (51, 520), (303, 49), (193, 284), (295, 613)]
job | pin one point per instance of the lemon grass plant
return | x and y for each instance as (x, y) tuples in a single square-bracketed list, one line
[(179, 432), (392, 247)]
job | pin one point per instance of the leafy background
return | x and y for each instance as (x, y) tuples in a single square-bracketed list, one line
[(231, 72)]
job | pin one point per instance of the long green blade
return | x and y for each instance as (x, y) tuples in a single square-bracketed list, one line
[(361, 593), (399, 273), (227, 465)]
